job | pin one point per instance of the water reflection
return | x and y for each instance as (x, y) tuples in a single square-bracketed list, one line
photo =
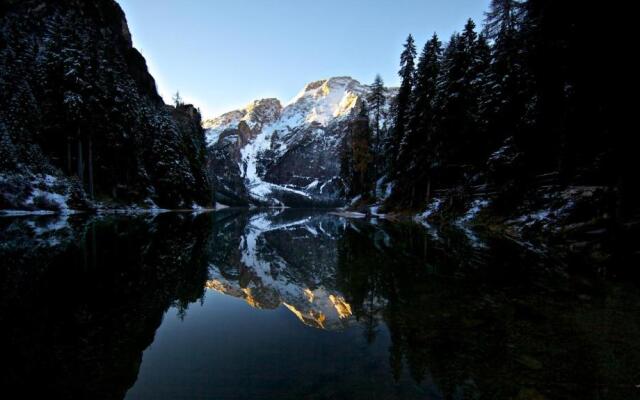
[(344, 308), (282, 259), (81, 299)]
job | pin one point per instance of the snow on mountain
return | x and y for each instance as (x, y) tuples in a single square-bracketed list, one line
[(214, 127), (290, 153), (324, 100), (255, 114)]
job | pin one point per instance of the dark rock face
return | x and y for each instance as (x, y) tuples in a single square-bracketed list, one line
[(225, 146), (311, 162), (78, 104), (223, 158)]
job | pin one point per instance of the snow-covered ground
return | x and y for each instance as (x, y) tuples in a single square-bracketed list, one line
[(432, 207), (42, 194), (349, 214), (476, 206)]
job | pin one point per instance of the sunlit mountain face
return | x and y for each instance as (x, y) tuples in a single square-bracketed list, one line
[(277, 304)]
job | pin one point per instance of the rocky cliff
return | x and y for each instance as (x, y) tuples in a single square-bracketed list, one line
[(81, 122), (270, 154)]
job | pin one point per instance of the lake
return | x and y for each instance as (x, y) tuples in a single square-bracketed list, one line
[(300, 304)]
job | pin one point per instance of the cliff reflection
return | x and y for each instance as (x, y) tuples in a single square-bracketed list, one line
[(282, 258), (81, 299)]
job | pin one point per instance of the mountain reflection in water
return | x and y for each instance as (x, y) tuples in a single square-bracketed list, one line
[(303, 304)]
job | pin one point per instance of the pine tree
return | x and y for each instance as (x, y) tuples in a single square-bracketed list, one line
[(402, 101), (177, 100), (356, 158), (502, 21), (483, 88), (377, 100), (415, 153), (459, 123), (506, 106), (346, 170)]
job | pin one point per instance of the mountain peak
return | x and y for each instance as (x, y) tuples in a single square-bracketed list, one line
[(324, 87), (319, 101), (324, 100), (263, 111), (313, 85), (256, 114), (333, 81)]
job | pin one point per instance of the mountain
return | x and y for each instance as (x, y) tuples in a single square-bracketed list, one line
[(81, 122), (270, 154)]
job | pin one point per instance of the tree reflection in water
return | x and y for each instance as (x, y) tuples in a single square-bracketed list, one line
[(82, 299), (492, 321), (482, 318)]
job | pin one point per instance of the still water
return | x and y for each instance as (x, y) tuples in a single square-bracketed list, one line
[(304, 305)]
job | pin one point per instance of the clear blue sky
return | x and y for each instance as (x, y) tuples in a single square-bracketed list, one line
[(221, 54)]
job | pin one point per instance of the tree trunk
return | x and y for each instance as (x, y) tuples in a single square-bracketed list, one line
[(94, 247), (413, 196), (90, 166), (213, 195), (80, 162), (69, 170), (376, 150)]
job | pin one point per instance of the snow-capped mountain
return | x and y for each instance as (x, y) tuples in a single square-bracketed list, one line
[(271, 154)]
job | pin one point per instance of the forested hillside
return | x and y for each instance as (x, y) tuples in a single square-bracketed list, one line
[(81, 122), (514, 121)]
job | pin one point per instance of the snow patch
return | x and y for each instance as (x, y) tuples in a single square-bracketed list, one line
[(374, 211), (463, 223), (43, 194), (324, 101), (355, 200), (476, 206), (432, 208), (313, 185), (40, 229), (20, 213), (349, 214)]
